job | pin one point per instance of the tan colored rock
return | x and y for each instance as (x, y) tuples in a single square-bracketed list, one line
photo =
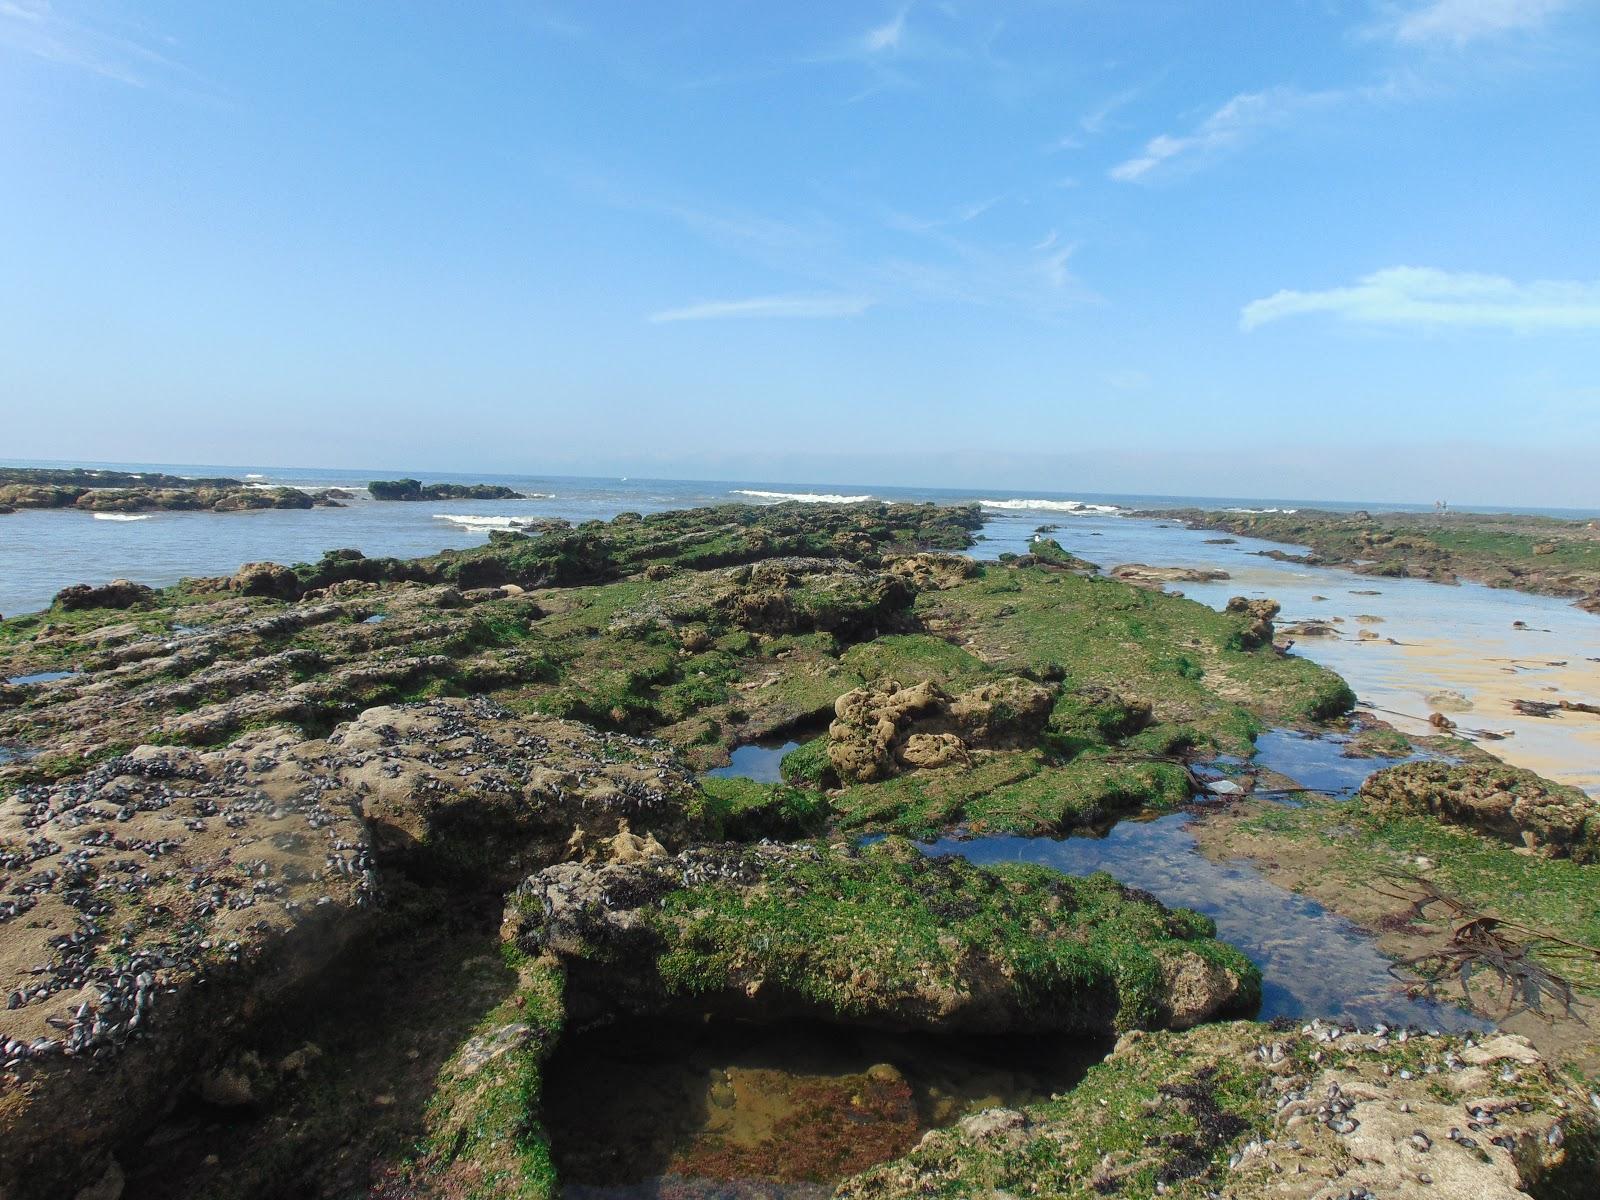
[(932, 572), (1503, 801), (883, 727)]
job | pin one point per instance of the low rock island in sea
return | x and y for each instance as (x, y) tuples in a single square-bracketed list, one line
[(309, 875)]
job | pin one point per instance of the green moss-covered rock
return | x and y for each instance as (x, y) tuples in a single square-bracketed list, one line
[(884, 936), (1245, 1111), (484, 1137)]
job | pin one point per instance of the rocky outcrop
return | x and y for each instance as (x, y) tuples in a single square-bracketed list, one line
[(464, 785), (1258, 613), (265, 579), (202, 496), (415, 489), (801, 595), (1251, 1112), (1502, 801), (930, 572), (883, 728), (774, 932), (119, 593)]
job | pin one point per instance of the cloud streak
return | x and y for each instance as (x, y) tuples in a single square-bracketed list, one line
[(784, 307), (1463, 21), (1425, 297), (1227, 127)]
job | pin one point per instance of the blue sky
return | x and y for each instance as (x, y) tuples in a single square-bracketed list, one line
[(1342, 248)]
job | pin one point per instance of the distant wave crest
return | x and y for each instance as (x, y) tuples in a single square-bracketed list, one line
[(471, 521), (802, 497), (1262, 510), (1079, 507), (122, 516)]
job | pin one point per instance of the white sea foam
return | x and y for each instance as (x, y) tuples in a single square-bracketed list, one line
[(1076, 507), (1285, 511), (122, 516), (255, 475), (470, 521), (803, 497)]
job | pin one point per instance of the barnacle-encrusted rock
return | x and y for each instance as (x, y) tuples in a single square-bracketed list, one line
[(885, 937), (151, 909), (1245, 1111), (1502, 801), (882, 728), (173, 895), (466, 783)]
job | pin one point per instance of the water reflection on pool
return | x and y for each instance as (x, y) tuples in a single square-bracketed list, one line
[(1314, 963)]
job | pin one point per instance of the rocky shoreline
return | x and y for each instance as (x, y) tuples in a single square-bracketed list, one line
[(253, 827), (1543, 555)]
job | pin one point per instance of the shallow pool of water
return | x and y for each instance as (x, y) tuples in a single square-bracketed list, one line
[(1314, 963), (1321, 761), (40, 677), (723, 1109), (758, 761)]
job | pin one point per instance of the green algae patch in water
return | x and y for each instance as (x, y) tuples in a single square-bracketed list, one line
[(724, 1109)]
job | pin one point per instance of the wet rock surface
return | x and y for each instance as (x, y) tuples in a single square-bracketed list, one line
[(883, 937), (1503, 801), (1144, 575), (1247, 1111)]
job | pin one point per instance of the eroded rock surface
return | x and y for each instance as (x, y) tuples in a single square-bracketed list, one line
[(883, 728), (1503, 801), (154, 908)]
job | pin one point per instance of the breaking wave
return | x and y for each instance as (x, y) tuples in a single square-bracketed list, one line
[(1285, 511), (1079, 507), (122, 516), (469, 521), (802, 497)]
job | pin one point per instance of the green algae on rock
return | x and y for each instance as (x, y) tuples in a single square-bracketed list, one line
[(1252, 1112), (883, 936)]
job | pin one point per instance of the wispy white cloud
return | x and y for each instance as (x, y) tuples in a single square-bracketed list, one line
[(33, 27), (1237, 120), (1427, 297), (791, 307), (889, 35), (1462, 21), (1095, 120)]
